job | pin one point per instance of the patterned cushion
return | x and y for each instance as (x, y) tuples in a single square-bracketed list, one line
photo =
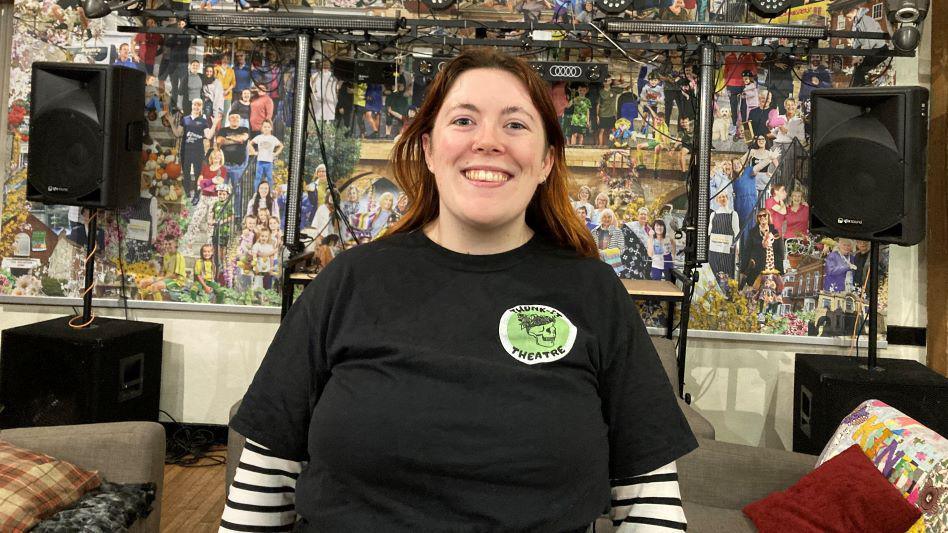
[(34, 486), (912, 457)]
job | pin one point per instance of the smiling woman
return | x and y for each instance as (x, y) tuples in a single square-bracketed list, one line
[(455, 375), (491, 170)]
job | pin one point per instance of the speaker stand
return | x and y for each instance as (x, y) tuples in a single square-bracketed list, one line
[(873, 308), (92, 244)]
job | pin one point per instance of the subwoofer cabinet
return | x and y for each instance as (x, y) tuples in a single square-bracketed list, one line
[(52, 374), (826, 388)]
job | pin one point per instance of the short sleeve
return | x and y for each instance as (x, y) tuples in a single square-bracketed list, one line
[(646, 427), (277, 408)]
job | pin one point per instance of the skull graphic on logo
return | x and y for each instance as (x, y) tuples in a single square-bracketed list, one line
[(542, 328)]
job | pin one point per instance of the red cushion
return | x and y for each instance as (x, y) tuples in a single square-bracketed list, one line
[(845, 494)]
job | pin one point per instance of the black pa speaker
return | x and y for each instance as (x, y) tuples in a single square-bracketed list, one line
[(364, 70), (867, 163), (52, 374), (86, 127), (826, 388)]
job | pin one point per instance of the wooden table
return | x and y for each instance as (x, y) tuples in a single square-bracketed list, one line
[(668, 291)]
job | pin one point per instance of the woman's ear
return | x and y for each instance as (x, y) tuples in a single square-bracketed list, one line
[(426, 147), (547, 164)]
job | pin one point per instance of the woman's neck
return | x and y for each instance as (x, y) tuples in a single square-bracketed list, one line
[(467, 240)]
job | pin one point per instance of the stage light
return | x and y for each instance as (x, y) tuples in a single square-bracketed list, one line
[(770, 8), (273, 21), (614, 7), (438, 5), (906, 11), (727, 29), (907, 17), (95, 9)]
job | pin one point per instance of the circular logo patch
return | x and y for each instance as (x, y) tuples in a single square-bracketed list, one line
[(535, 334)]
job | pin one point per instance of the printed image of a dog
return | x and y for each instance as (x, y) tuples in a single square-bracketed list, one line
[(721, 124)]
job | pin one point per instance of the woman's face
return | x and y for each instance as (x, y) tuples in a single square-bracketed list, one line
[(584, 194), (217, 158), (606, 220), (263, 189), (352, 194), (761, 142), (845, 247), (728, 167), (207, 252), (721, 199), (601, 202), (796, 198), (487, 150), (245, 95), (386, 202), (274, 224)]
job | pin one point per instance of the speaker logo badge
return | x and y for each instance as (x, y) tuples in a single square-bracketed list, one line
[(535, 334), (53, 188), (841, 220)]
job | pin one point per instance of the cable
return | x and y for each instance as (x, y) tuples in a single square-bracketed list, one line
[(189, 448), (121, 262), (90, 256), (332, 190)]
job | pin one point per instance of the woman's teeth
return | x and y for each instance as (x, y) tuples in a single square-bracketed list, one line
[(486, 175)]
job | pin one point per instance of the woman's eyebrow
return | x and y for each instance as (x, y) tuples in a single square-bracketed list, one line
[(509, 110)]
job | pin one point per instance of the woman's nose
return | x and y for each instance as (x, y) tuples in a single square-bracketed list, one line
[(488, 139)]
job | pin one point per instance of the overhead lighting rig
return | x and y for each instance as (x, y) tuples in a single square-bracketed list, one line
[(724, 29), (292, 21)]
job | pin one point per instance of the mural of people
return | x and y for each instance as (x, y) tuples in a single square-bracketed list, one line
[(216, 172)]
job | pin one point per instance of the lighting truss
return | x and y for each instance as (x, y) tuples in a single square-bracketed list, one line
[(727, 29), (285, 21)]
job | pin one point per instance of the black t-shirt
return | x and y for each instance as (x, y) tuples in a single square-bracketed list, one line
[(234, 154), (436, 391)]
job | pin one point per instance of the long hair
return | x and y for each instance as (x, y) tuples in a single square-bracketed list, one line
[(549, 212)]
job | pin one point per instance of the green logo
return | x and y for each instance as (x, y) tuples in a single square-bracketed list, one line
[(535, 334)]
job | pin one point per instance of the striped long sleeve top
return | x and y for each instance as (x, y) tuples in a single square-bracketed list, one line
[(262, 497)]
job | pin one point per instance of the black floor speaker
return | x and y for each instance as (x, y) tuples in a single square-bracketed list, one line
[(826, 388), (867, 167), (52, 374)]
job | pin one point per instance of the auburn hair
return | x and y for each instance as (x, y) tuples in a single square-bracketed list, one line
[(549, 212)]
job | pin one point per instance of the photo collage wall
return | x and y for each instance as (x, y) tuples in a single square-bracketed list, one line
[(208, 226)]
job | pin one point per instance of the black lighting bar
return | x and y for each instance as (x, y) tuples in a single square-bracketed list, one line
[(726, 29), (285, 21), (548, 70)]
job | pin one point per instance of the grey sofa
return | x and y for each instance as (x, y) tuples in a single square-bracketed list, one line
[(122, 452)]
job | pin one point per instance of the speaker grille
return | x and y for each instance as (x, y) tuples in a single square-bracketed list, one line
[(868, 185), (868, 163), (75, 170)]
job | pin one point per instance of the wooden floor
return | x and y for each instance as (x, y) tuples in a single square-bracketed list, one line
[(193, 498)]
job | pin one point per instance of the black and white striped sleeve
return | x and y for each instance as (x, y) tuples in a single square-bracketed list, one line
[(650, 503), (263, 495)]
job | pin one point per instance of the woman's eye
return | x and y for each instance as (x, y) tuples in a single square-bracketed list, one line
[(517, 125), (462, 121)]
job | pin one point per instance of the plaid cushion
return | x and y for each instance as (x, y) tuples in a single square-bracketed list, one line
[(33, 486)]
